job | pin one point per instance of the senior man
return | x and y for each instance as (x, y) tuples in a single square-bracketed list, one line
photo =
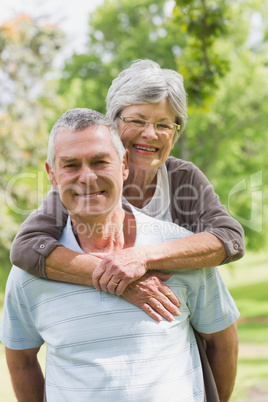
[(99, 346)]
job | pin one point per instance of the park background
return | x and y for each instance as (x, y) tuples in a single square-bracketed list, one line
[(49, 64)]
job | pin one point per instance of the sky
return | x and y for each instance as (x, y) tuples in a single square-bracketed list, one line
[(70, 15)]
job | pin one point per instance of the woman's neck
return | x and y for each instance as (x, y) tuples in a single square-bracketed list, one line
[(140, 186)]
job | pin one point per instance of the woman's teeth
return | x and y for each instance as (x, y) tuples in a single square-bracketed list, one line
[(145, 148)]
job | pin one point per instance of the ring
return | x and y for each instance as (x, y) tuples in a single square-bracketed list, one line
[(115, 284)]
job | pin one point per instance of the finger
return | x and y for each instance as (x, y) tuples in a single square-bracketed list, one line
[(168, 305), (163, 288), (96, 276), (112, 286), (169, 295), (106, 284), (164, 276), (121, 286), (151, 312), (160, 309)]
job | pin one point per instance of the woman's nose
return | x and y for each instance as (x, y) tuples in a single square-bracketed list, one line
[(149, 132)]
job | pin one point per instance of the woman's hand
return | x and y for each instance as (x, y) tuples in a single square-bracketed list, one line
[(116, 271), (153, 296)]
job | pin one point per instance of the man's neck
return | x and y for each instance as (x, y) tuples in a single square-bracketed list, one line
[(105, 234)]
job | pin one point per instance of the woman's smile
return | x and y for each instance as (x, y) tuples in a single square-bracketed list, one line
[(145, 149)]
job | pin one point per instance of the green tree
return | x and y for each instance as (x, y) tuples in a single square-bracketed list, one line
[(202, 23), (225, 71), (119, 32), (28, 104)]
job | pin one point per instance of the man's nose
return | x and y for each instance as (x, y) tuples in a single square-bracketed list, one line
[(87, 175), (149, 132)]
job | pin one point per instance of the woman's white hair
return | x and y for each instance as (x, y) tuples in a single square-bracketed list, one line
[(146, 82), (77, 120)]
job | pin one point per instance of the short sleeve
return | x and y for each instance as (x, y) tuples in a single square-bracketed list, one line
[(17, 330), (210, 303)]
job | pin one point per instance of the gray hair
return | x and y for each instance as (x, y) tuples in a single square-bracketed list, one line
[(79, 119), (146, 82)]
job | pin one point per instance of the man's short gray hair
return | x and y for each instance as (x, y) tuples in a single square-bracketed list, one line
[(77, 120), (146, 82)]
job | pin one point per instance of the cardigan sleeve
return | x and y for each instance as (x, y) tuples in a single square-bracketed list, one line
[(196, 206), (38, 235)]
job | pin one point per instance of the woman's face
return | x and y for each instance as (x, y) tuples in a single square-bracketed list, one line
[(147, 149)]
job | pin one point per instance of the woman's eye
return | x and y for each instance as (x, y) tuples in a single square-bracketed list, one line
[(138, 122), (162, 125)]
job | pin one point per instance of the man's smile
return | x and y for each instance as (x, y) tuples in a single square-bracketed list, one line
[(91, 195)]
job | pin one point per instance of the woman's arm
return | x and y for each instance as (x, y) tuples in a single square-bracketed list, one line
[(148, 292), (217, 238), (196, 207), (38, 235), (199, 250), (36, 250)]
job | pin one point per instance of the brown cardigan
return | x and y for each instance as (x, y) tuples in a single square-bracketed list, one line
[(194, 205)]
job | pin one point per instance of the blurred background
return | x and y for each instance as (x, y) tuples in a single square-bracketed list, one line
[(59, 54)]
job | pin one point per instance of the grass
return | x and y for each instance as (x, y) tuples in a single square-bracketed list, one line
[(247, 281)]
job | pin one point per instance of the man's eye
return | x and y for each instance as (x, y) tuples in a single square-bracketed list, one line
[(101, 162), (70, 165)]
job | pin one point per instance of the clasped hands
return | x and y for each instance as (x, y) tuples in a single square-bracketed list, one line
[(125, 273)]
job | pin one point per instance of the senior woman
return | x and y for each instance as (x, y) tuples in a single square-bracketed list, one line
[(149, 105)]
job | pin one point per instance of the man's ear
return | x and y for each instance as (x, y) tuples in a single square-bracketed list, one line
[(125, 164), (51, 176)]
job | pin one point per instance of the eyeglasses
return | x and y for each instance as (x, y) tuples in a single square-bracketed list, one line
[(141, 124)]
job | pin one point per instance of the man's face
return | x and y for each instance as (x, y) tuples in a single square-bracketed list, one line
[(88, 172)]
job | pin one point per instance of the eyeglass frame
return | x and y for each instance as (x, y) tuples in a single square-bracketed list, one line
[(176, 126)]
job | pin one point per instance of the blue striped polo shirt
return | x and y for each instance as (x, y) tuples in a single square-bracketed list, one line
[(102, 348)]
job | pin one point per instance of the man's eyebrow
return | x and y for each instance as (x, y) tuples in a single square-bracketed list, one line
[(101, 155), (64, 159)]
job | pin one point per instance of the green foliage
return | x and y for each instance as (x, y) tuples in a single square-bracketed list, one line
[(203, 24), (225, 73), (27, 51), (119, 32), (228, 142)]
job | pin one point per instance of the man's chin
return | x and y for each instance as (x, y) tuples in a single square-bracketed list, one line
[(90, 211)]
